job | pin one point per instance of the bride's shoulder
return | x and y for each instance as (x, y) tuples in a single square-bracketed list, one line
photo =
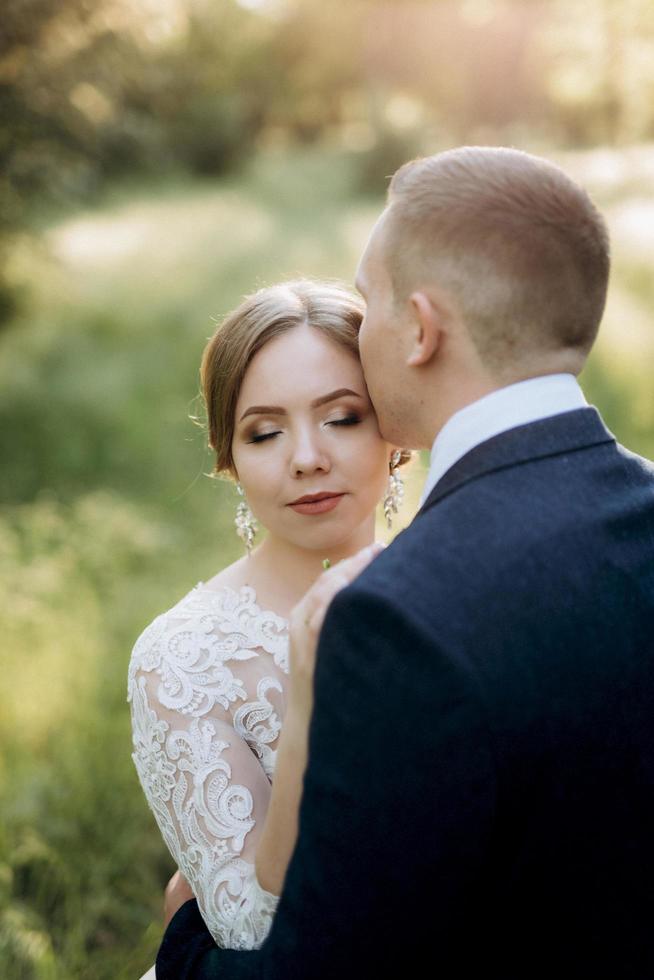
[(213, 622), (223, 605), (233, 578), (214, 593)]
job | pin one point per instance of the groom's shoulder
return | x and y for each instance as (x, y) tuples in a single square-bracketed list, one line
[(430, 556), (491, 528), (641, 465)]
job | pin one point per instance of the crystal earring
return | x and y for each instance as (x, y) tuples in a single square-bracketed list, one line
[(394, 490), (246, 525)]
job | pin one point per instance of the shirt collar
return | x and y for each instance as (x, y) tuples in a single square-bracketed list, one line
[(516, 404)]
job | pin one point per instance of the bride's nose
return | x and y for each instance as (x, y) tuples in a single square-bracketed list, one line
[(309, 455)]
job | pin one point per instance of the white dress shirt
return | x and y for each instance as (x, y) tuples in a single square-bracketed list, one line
[(506, 408)]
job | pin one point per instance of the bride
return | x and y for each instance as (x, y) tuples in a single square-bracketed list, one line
[(220, 717)]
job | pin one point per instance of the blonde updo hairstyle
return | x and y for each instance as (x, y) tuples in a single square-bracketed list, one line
[(261, 317)]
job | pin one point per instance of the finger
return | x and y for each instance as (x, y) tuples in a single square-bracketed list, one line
[(336, 578), (315, 613), (353, 566), (318, 618), (364, 556), (321, 595), (332, 581)]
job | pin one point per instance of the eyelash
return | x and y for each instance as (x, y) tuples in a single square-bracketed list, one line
[(348, 420)]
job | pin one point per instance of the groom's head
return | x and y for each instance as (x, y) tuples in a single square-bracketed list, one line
[(488, 266)]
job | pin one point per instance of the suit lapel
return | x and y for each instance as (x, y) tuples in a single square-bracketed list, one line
[(564, 433)]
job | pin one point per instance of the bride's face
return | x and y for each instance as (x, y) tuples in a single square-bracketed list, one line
[(305, 425)]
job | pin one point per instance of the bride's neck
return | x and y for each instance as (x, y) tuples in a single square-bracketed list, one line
[(282, 571)]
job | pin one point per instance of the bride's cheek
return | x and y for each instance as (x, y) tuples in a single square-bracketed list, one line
[(373, 444)]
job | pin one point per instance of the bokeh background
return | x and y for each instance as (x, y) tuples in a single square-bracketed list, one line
[(158, 159)]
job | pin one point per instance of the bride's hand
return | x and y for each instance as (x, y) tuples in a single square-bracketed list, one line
[(306, 621), (177, 892)]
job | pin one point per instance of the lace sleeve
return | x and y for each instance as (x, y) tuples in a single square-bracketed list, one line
[(208, 791)]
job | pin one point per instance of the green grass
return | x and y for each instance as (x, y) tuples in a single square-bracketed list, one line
[(107, 517)]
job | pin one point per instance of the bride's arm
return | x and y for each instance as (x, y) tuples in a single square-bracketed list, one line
[(177, 892), (279, 832), (209, 794)]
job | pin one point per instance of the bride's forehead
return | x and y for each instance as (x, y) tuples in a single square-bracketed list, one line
[(302, 360)]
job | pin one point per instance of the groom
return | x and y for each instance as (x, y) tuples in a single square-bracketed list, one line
[(479, 796)]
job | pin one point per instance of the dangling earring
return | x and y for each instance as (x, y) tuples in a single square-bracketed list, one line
[(246, 525), (394, 490)]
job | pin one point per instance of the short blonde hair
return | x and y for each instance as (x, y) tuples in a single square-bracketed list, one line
[(517, 242), (263, 315)]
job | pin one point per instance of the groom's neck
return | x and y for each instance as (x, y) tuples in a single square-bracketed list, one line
[(450, 399), (453, 386)]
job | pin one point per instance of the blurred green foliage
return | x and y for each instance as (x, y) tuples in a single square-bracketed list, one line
[(92, 89)]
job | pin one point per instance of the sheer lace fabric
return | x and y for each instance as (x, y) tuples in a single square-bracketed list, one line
[(206, 686)]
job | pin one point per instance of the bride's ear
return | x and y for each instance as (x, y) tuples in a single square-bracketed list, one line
[(427, 329)]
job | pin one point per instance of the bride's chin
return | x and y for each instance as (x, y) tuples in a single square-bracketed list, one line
[(315, 539), (339, 539)]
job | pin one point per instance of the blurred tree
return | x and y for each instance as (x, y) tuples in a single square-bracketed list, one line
[(91, 89), (600, 77), (472, 65), (27, 127)]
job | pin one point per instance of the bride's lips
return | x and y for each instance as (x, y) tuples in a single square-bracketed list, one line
[(316, 503)]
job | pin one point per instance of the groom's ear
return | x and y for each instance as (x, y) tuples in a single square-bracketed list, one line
[(427, 329)]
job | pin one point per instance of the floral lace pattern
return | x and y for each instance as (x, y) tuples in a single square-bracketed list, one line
[(259, 736), (206, 687)]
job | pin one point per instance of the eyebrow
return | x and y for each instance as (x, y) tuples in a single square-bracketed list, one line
[(278, 410)]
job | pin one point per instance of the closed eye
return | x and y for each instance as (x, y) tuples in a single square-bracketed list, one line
[(263, 437), (348, 420)]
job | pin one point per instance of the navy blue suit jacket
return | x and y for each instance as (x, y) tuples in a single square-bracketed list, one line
[(480, 786)]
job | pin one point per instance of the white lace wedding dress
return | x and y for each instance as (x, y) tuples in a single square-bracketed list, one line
[(207, 684)]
